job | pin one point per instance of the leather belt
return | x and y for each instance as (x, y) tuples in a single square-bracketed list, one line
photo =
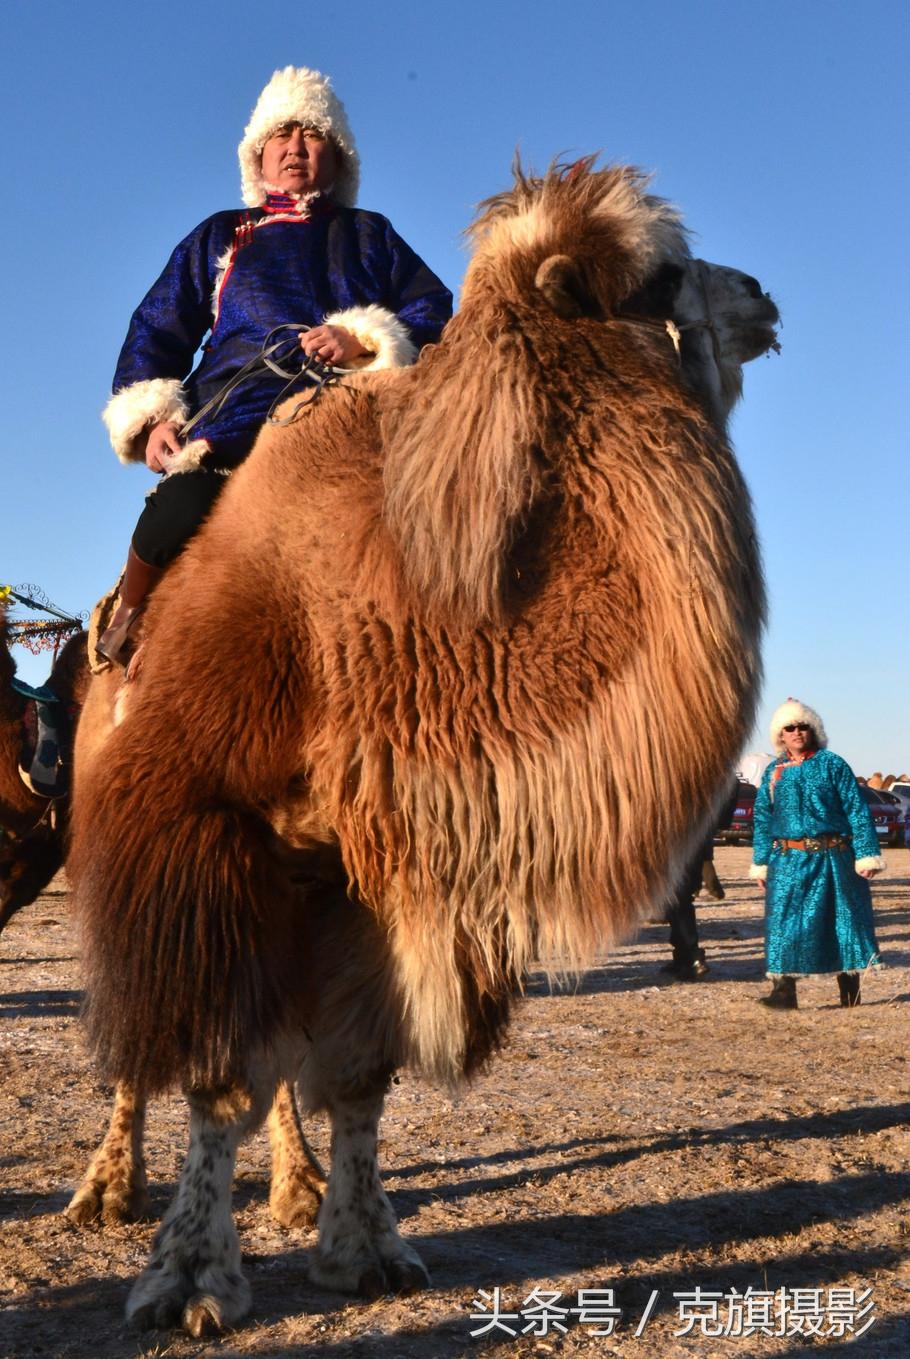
[(814, 843)]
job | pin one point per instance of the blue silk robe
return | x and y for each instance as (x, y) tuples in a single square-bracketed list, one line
[(818, 910), (234, 278)]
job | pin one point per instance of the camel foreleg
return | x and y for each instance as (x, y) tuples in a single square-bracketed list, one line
[(193, 1277), (360, 1249), (115, 1186)]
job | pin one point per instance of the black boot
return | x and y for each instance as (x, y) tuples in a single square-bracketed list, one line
[(139, 579), (783, 994), (688, 969), (848, 984)]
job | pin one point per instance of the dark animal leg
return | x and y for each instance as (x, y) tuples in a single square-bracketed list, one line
[(193, 1277), (27, 865), (298, 1180), (360, 1249), (115, 1187)]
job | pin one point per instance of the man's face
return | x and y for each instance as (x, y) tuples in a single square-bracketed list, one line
[(797, 737), (299, 159)]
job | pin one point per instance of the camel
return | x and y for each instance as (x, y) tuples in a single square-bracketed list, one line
[(448, 640), (723, 319)]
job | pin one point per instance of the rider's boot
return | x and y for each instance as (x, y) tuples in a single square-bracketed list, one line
[(139, 579)]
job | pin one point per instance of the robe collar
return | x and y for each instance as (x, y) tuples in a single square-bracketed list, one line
[(297, 205)]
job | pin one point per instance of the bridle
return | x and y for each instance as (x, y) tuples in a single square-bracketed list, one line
[(275, 355), (676, 329)]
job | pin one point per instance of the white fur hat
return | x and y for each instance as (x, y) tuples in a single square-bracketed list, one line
[(298, 95), (794, 711)]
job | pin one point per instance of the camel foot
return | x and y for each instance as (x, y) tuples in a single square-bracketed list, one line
[(295, 1200), (113, 1204), (164, 1298), (371, 1269)]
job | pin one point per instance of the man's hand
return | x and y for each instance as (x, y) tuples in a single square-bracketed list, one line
[(332, 344), (163, 445)]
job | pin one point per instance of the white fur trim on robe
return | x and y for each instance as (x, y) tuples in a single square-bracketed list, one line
[(758, 872), (381, 332), (130, 412), (190, 456)]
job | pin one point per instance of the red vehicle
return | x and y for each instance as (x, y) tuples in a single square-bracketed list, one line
[(739, 831), (888, 815)]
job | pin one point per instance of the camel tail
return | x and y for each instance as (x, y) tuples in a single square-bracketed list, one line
[(184, 967)]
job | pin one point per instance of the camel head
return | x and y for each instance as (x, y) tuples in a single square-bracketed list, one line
[(725, 319), (593, 243)]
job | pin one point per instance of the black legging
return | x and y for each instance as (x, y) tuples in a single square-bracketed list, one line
[(173, 512)]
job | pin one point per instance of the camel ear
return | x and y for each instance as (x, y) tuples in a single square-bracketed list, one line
[(562, 284)]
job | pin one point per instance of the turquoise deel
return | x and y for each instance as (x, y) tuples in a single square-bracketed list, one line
[(818, 910)]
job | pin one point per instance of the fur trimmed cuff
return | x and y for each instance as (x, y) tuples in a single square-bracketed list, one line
[(381, 332), (132, 410), (871, 861), (758, 872), (189, 457)]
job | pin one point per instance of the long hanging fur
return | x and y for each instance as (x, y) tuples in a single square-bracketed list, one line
[(494, 635)]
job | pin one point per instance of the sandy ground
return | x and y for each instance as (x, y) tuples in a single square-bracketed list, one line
[(636, 1135)]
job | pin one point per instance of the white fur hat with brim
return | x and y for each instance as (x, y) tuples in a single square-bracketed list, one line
[(794, 711), (298, 95)]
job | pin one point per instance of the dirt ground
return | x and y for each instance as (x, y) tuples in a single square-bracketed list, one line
[(636, 1135)]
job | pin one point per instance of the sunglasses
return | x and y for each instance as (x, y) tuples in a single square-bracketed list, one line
[(797, 726)]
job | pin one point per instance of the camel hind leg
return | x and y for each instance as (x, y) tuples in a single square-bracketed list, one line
[(298, 1180), (115, 1186)]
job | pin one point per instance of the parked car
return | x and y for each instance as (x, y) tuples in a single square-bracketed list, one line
[(739, 831), (888, 815), (902, 792)]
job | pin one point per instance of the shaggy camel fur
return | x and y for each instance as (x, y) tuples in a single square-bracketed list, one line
[(32, 848), (480, 612)]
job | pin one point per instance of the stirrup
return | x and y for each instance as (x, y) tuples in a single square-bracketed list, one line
[(114, 641)]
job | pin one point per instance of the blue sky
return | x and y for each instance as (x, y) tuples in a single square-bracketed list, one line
[(780, 128)]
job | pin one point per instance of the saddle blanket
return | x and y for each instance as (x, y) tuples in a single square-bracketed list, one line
[(45, 727)]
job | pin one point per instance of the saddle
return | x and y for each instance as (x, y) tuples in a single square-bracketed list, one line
[(44, 756)]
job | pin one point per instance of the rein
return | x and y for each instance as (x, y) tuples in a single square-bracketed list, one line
[(274, 355), (48, 816), (707, 321)]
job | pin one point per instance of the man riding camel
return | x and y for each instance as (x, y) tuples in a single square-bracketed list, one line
[(302, 255)]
